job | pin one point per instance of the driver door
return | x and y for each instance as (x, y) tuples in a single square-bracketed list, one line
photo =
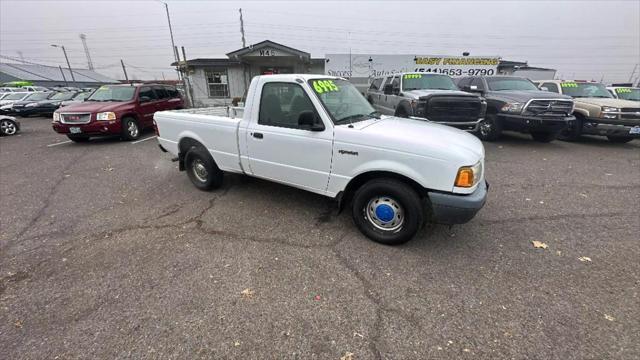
[(281, 150)]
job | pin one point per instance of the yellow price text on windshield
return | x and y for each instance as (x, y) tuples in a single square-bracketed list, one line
[(623, 90), (569, 84), (412, 76), (322, 86)]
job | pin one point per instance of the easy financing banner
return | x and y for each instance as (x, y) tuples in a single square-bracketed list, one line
[(371, 65)]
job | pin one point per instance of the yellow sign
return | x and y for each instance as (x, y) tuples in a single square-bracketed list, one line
[(321, 86), (412, 76), (569, 84)]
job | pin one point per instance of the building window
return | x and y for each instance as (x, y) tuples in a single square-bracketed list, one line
[(218, 83)]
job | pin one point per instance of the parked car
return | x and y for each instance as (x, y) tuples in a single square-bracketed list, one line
[(11, 89), (6, 104), (77, 99), (46, 106), (626, 93), (433, 97), (2, 95), (31, 88), (515, 103), (318, 133), (9, 125), (597, 111), (124, 110), (19, 107)]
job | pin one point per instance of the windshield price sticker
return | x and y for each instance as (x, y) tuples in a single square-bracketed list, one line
[(321, 86), (569, 84), (412, 76), (623, 90)]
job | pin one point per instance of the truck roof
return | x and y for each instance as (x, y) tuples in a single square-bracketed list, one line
[(293, 77)]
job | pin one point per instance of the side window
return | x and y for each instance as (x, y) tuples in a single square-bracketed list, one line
[(160, 91), (463, 82), (282, 103), (147, 92), (477, 82), (375, 85), (553, 87), (395, 83), (173, 92)]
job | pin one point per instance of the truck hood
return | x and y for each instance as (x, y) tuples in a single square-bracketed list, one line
[(618, 103), (416, 94), (97, 106), (420, 137), (525, 95)]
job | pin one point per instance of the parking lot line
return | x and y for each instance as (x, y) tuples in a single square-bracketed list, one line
[(60, 143), (145, 139)]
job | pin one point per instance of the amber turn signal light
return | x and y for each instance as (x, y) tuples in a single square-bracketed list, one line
[(464, 177)]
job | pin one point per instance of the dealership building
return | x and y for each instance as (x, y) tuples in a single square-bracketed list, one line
[(216, 81)]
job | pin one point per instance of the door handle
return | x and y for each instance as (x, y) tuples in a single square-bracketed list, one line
[(257, 135)]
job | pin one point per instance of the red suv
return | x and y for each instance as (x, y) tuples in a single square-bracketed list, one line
[(124, 110)]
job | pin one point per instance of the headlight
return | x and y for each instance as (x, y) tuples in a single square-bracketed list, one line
[(6, 107), (31, 105), (607, 112), (56, 117), (512, 107), (106, 116), (468, 176)]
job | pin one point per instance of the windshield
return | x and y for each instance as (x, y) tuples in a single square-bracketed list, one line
[(628, 93), (62, 96), (342, 100), (423, 82), (113, 93), (81, 96), (507, 83), (38, 96), (14, 96), (580, 90)]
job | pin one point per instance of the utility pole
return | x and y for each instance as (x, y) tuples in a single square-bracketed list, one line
[(66, 83), (633, 73), (176, 56), (187, 83), (83, 37), (124, 69), (242, 29), (66, 58)]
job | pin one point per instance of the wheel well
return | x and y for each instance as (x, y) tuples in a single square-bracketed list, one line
[(402, 109), (184, 145), (355, 183)]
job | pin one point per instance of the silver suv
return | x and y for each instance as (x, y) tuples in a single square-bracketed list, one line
[(433, 97)]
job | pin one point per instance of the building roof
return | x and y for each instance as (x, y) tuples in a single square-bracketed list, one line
[(33, 72), (267, 43), (208, 62)]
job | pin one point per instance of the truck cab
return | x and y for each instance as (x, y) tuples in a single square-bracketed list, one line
[(597, 111), (433, 97)]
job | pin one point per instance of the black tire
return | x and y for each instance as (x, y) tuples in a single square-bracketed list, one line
[(619, 139), (490, 128), (8, 127), (130, 129), (402, 222), (544, 137), (78, 138), (573, 131), (401, 112), (201, 169)]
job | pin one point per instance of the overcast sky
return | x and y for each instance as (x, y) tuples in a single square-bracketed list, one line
[(582, 39)]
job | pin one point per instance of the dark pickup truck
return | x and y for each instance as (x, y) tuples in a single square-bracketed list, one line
[(515, 103)]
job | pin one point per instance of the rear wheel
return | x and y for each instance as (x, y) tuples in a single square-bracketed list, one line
[(202, 170), (78, 138), (619, 139), (573, 131), (8, 127), (387, 211), (543, 137), (490, 128), (130, 129)]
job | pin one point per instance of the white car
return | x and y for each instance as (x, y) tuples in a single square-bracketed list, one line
[(318, 133), (7, 101)]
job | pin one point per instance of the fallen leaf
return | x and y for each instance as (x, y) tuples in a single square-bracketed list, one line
[(439, 347), (527, 199), (541, 202), (317, 298), (357, 334), (539, 244), (236, 344), (559, 253), (247, 293), (609, 317), (584, 195), (347, 356), (584, 258), (18, 323), (465, 349)]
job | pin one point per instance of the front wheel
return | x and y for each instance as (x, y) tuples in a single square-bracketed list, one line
[(490, 128), (619, 139), (202, 169), (543, 137), (387, 211), (130, 129), (8, 127)]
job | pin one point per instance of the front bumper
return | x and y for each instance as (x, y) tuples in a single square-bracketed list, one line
[(471, 126), (528, 123), (611, 127), (452, 209), (94, 128)]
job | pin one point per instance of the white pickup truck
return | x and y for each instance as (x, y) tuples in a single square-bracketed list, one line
[(318, 133)]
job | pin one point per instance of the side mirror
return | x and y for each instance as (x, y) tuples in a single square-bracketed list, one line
[(388, 89), (307, 121), (544, 88), (144, 99)]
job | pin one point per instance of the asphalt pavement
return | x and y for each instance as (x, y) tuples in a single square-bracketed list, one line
[(108, 251)]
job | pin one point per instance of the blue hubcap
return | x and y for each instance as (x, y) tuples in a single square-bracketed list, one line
[(385, 212)]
